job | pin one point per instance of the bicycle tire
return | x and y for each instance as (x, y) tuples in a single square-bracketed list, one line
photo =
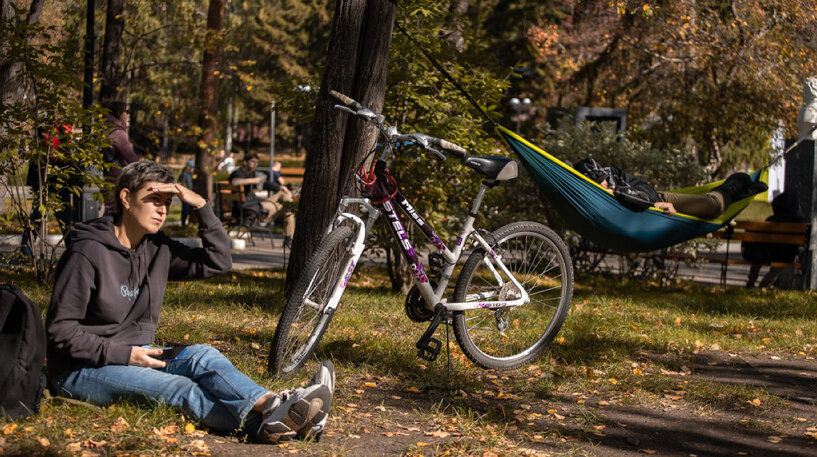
[(506, 338), (303, 321)]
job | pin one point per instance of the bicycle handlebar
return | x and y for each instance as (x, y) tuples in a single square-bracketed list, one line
[(346, 100), (353, 106)]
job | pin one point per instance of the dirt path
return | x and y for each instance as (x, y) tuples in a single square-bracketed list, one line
[(382, 416)]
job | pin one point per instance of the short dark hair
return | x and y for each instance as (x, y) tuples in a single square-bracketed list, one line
[(250, 155), (136, 175), (115, 107)]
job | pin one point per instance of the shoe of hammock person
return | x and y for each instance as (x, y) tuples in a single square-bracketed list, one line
[(733, 185), (291, 412), (325, 376), (753, 189)]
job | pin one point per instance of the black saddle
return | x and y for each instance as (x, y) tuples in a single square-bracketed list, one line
[(492, 167)]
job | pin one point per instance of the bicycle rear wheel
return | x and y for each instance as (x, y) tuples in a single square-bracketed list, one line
[(505, 338), (305, 318)]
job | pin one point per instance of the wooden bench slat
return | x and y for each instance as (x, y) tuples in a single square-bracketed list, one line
[(764, 226), (293, 174), (763, 237)]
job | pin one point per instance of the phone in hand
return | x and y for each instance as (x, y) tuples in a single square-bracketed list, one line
[(172, 353)]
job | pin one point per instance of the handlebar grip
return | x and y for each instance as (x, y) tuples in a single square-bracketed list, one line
[(455, 149), (346, 100)]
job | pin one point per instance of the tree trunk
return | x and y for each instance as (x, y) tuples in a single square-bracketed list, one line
[(208, 98), (10, 82), (356, 66), (112, 50), (458, 9)]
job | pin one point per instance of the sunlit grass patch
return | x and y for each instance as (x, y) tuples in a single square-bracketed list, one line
[(623, 345)]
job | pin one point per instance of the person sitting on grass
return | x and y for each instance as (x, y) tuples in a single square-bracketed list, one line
[(105, 306), (637, 195)]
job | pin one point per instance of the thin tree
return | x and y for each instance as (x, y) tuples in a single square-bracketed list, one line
[(208, 97), (112, 50), (356, 66)]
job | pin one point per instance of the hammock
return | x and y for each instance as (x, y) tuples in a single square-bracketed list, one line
[(597, 216), (591, 210)]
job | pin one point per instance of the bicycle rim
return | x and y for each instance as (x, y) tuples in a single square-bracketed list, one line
[(305, 318), (508, 337)]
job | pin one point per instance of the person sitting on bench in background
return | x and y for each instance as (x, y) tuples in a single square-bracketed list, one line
[(785, 208), (269, 208), (637, 195)]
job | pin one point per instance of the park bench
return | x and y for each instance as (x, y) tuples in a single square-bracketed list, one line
[(294, 175), (795, 233), (229, 197)]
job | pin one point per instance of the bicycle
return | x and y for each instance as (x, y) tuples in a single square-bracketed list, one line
[(516, 281)]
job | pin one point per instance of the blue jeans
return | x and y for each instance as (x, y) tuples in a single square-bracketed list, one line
[(201, 381)]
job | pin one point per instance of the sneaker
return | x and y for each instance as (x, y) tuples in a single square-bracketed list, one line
[(733, 185), (325, 376), (753, 189), (292, 411)]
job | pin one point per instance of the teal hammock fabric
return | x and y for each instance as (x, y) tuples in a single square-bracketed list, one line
[(597, 216)]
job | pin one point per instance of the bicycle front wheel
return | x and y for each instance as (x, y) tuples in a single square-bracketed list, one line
[(505, 338), (305, 317)]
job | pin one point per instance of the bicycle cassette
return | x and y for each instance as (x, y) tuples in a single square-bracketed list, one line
[(416, 306)]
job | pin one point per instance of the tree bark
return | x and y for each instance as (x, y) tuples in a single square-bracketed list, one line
[(356, 66), (10, 82), (458, 9), (208, 98), (112, 50)]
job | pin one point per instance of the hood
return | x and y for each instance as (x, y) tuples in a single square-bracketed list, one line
[(116, 122), (102, 231), (99, 230)]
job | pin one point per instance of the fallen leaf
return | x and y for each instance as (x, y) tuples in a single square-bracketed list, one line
[(437, 433), (423, 444), (197, 445), (189, 428), (91, 444), (774, 439), (74, 447), (647, 451), (8, 429), (413, 390), (120, 425), (44, 442)]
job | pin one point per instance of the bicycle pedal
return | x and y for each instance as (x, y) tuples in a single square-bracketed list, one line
[(428, 347)]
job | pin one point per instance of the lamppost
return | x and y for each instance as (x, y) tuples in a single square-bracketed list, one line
[(272, 135), (519, 106)]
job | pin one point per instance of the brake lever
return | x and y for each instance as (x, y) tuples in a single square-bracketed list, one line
[(345, 108), (437, 153)]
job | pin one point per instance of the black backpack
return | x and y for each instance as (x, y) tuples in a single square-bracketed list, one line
[(22, 350)]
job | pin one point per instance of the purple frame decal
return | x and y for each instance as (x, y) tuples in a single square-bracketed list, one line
[(348, 275), (400, 234), (419, 221)]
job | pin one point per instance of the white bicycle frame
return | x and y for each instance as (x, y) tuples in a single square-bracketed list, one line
[(431, 296)]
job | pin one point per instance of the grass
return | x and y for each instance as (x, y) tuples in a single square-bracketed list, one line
[(623, 344)]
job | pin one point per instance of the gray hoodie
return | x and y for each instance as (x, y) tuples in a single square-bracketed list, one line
[(107, 297)]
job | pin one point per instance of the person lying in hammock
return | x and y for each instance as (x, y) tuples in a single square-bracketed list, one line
[(637, 195)]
